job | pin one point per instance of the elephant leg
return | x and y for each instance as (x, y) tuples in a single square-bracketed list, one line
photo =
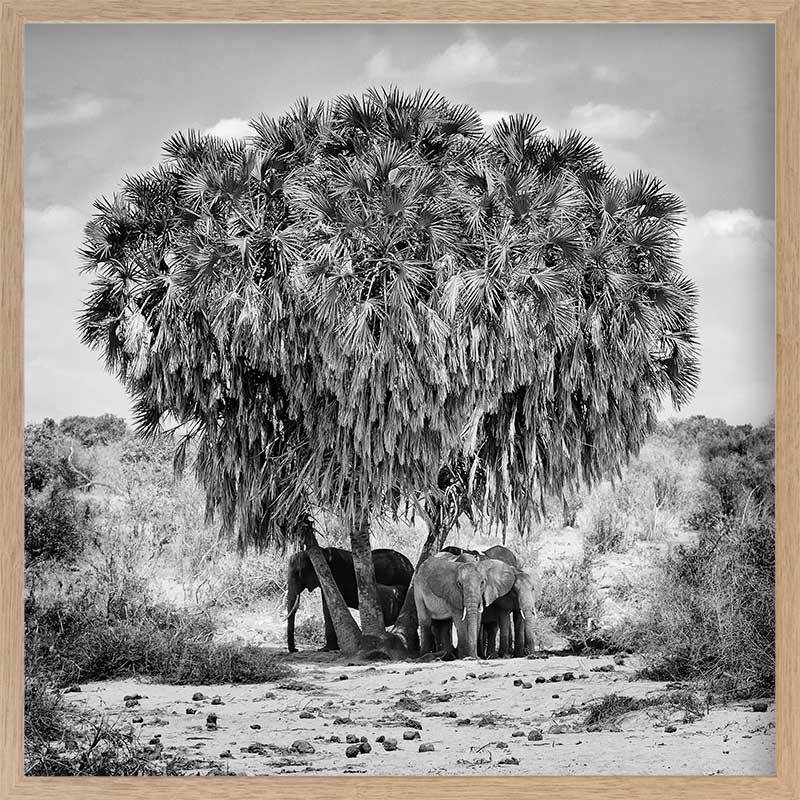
[(490, 629), (505, 635), (331, 642), (520, 645), (425, 637), (444, 637)]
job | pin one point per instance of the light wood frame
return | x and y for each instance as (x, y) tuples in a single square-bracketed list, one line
[(785, 15)]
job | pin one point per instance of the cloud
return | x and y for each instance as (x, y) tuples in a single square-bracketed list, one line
[(605, 74), (64, 111), (609, 122), (230, 128), (467, 60), (491, 117), (730, 254)]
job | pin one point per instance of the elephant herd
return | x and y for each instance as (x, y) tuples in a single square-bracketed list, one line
[(481, 594)]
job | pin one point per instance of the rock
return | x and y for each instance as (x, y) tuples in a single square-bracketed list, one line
[(132, 697), (198, 696), (334, 740), (408, 704), (155, 740), (517, 682), (535, 735), (470, 675), (556, 696), (306, 715), (501, 745), (380, 738), (569, 676), (137, 719), (555, 679), (619, 659), (191, 710), (341, 721), (302, 746), (363, 739), (527, 685), (557, 729), (343, 677), (255, 726), (389, 744), (352, 751), (410, 735), (443, 698), (517, 733), (465, 721), (365, 747), (670, 729), (217, 701), (603, 668), (510, 760), (351, 738), (426, 747), (72, 689), (540, 679), (594, 728), (131, 703), (760, 707), (211, 722), (226, 754)]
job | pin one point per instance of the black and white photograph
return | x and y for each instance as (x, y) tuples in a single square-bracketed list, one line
[(399, 399)]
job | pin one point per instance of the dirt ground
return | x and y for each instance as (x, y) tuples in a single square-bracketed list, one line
[(257, 725)]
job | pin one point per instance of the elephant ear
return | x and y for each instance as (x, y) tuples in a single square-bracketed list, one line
[(500, 579)]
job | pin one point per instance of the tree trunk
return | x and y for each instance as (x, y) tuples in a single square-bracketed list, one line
[(369, 608), (347, 631), (406, 625)]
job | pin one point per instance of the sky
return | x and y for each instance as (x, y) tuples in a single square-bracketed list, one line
[(692, 104)]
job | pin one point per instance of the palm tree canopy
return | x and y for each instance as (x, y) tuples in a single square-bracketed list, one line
[(371, 289)]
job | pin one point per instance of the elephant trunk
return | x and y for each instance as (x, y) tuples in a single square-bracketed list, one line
[(470, 627), (292, 602)]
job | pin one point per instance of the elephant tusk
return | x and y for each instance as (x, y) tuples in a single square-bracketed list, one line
[(293, 608), (522, 613), (464, 614)]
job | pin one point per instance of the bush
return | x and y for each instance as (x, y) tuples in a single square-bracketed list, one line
[(55, 525), (712, 611), (569, 595), (61, 740), (72, 644)]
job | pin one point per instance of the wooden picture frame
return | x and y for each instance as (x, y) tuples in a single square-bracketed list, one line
[(785, 14)]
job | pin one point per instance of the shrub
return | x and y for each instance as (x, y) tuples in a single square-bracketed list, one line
[(74, 644), (62, 740), (55, 525), (569, 595), (712, 610)]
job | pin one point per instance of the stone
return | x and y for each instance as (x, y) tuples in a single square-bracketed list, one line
[(555, 679), (568, 676), (217, 701), (341, 721), (517, 733), (302, 746), (556, 696), (527, 685), (510, 760), (540, 679), (131, 703), (535, 735), (670, 729), (191, 710), (132, 697), (410, 735), (211, 722), (603, 668), (426, 747), (351, 738), (72, 689), (226, 754), (137, 719), (619, 660), (389, 744), (557, 729), (595, 728), (334, 740), (408, 704), (517, 682), (465, 721), (352, 751), (760, 707), (343, 677), (255, 726), (306, 715), (365, 747), (198, 696)]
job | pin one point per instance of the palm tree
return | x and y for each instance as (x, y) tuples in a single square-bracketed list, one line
[(370, 292)]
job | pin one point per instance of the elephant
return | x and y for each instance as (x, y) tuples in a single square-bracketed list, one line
[(519, 603), (457, 551), (457, 588), (393, 572)]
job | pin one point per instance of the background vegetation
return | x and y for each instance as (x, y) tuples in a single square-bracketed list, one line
[(675, 561)]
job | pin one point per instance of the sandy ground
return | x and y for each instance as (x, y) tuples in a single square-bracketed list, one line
[(432, 700)]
